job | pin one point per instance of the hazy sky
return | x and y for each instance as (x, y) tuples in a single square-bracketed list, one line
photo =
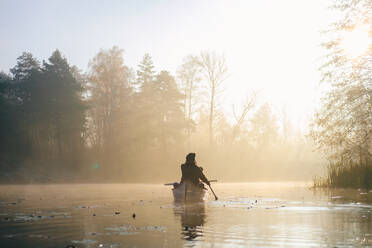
[(270, 46)]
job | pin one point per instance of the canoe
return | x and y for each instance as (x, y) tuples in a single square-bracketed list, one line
[(189, 192)]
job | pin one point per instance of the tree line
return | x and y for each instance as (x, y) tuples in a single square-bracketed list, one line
[(116, 123)]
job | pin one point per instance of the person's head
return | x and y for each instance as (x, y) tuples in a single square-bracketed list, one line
[(190, 158)]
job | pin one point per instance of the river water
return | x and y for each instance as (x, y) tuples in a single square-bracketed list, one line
[(139, 215)]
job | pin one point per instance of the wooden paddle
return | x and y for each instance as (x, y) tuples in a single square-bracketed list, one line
[(215, 197)]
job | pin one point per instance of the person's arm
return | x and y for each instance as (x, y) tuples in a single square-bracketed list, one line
[(203, 177)]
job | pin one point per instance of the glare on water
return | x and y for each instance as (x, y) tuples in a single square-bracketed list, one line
[(138, 215)]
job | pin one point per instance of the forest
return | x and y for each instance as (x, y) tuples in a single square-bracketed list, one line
[(119, 123), (113, 123)]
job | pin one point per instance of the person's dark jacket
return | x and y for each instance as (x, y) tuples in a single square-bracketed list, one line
[(192, 173)]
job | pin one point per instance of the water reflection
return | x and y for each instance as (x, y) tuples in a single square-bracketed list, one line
[(360, 196), (192, 219), (246, 215)]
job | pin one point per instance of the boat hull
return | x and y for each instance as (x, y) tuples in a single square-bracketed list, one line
[(188, 192)]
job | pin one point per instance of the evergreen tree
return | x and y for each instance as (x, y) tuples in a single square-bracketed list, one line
[(67, 118), (168, 106), (43, 107), (26, 64), (146, 73), (11, 145)]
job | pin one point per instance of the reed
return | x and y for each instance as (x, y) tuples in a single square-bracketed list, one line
[(346, 175)]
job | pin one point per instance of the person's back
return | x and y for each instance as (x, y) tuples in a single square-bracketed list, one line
[(191, 172)]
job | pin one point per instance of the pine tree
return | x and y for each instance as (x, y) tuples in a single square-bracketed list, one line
[(66, 109), (146, 73), (26, 63)]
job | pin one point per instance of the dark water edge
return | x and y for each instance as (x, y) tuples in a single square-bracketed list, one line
[(246, 215)]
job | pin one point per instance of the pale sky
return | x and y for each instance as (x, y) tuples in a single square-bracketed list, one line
[(271, 46)]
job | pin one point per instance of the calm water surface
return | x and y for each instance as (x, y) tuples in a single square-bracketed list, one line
[(137, 215)]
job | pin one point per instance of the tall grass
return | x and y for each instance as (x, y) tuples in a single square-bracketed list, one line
[(346, 175)]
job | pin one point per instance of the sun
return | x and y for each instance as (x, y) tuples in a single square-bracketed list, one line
[(356, 42)]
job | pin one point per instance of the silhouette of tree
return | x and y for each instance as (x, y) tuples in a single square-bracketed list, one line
[(44, 108), (146, 73), (12, 148), (248, 105), (343, 126), (160, 116), (264, 127), (214, 70), (109, 97), (67, 109), (26, 63), (168, 103), (189, 75)]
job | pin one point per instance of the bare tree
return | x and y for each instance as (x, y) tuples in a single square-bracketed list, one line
[(249, 104), (214, 70), (189, 75)]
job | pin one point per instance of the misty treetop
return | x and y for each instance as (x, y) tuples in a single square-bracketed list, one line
[(114, 122), (47, 109)]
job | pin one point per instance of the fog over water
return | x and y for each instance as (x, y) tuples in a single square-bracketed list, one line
[(246, 214), (103, 96), (117, 117)]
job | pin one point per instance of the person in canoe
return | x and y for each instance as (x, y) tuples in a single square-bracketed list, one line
[(192, 172)]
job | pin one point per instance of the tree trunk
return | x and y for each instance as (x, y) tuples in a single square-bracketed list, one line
[(211, 116), (185, 102), (189, 113)]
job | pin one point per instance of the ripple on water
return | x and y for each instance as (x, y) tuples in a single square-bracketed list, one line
[(248, 203), (131, 230), (87, 207), (37, 216), (84, 241)]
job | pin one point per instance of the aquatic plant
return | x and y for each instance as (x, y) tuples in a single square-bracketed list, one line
[(346, 175)]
